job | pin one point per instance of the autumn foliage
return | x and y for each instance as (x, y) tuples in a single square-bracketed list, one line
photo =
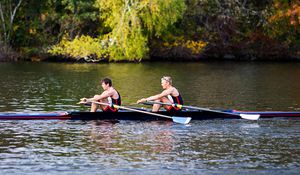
[(137, 30)]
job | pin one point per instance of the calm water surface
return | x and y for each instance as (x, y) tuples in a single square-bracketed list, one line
[(127, 147)]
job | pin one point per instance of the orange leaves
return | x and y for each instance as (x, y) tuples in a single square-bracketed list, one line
[(291, 12), (294, 14)]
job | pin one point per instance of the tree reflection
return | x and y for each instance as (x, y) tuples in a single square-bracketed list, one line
[(134, 138)]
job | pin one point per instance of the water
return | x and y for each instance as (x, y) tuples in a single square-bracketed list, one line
[(246, 86), (126, 147), (268, 146)]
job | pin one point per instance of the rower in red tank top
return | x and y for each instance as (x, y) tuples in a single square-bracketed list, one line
[(109, 95), (169, 95)]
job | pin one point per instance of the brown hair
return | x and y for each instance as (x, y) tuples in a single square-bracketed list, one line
[(106, 81)]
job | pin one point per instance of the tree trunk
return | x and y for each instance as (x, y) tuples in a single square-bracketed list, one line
[(7, 17)]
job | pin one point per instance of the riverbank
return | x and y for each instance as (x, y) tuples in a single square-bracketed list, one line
[(242, 51), (210, 55)]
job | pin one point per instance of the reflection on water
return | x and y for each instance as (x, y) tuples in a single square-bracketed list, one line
[(132, 147), (245, 86), (127, 146), (158, 138)]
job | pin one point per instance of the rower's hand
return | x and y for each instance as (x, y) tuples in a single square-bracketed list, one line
[(83, 100), (141, 100)]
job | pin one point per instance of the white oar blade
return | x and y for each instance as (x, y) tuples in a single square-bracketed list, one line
[(250, 116), (182, 120)]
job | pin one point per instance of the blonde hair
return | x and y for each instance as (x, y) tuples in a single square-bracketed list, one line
[(167, 78)]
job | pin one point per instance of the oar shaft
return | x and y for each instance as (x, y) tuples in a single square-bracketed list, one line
[(135, 110), (190, 107), (245, 116)]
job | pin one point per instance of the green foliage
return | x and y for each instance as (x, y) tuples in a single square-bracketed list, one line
[(76, 17), (41, 23), (80, 47), (134, 22), (134, 30)]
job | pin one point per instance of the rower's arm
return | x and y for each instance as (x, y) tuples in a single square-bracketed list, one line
[(158, 96), (104, 95)]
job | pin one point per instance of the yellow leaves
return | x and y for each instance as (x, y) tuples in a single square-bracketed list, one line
[(80, 47), (196, 47), (153, 7), (86, 47), (32, 31), (166, 44), (15, 28), (133, 22)]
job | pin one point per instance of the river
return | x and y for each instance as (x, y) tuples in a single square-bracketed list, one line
[(266, 146)]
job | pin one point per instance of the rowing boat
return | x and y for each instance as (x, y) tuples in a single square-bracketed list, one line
[(131, 115)]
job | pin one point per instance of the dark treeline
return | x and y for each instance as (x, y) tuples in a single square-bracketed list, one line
[(136, 30)]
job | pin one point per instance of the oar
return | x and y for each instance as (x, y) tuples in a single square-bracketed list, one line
[(181, 120), (244, 116)]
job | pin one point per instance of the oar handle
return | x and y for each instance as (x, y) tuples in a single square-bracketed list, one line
[(161, 103)]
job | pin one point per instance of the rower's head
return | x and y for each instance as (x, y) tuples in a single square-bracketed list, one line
[(106, 83), (166, 81)]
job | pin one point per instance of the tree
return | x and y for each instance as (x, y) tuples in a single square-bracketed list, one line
[(284, 21), (134, 22), (8, 11), (223, 21)]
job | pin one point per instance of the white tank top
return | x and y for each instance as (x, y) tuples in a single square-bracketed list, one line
[(170, 98), (109, 99)]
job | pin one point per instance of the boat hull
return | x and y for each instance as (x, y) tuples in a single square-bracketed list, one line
[(129, 115), (35, 116)]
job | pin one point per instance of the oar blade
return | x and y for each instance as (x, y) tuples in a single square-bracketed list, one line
[(181, 120), (250, 116)]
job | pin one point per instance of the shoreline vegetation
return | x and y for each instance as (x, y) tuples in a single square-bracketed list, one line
[(149, 30)]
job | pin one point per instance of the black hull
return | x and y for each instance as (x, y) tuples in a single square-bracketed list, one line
[(129, 115), (126, 115)]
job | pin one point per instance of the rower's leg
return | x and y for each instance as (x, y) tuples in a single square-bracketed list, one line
[(166, 100), (94, 107), (103, 106), (156, 107)]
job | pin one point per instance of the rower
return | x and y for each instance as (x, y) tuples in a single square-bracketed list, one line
[(169, 95), (109, 95)]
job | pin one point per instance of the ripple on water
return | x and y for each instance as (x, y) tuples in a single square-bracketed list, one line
[(219, 146)]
